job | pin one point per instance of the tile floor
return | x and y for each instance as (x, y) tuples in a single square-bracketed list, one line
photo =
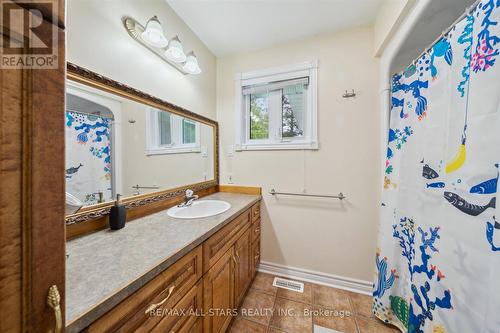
[(267, 309)]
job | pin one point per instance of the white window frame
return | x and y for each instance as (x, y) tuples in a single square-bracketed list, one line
[(310, 139), (153, 146)]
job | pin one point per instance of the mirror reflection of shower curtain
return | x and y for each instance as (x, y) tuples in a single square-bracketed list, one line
[(438, 261), (88, 156)]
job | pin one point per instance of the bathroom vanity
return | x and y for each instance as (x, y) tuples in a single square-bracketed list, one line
[(162, 274), (190, 246)]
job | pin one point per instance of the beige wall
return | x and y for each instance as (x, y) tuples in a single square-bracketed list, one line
[(316, 234), (97, 40), (391, 14)]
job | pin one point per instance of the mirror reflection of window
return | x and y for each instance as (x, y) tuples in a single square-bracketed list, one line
[(169, 133), (165, 129), (188, 131)]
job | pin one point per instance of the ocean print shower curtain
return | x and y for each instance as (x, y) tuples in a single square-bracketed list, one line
[(438, 259), (88, 157)]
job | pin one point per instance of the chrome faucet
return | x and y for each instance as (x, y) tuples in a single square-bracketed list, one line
[(189, 199), (100, 196)]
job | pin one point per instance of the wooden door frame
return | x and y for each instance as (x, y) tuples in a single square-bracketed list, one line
[(32, 228)]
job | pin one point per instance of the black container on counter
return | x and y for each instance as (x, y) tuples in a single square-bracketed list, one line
[(117, 214)]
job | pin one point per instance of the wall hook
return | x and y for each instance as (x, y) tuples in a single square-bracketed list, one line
[(349, 94)]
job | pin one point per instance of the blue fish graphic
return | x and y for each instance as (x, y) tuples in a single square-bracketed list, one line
[(490, 230), (486, 187), (436, 185), (466, 207)]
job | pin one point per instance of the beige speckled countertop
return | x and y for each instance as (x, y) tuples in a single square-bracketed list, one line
[(105, 267)]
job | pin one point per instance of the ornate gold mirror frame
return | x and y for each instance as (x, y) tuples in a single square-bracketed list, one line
[(98, 211)]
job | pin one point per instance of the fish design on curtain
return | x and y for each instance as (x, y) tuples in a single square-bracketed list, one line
[(88, 157), (438, 259)]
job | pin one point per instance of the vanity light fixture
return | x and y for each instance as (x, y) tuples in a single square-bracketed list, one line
[(152, 37), (153, 34), (191, 64), (174, 51)]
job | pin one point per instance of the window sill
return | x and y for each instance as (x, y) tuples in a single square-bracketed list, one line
[(278, 146), (168, 151)]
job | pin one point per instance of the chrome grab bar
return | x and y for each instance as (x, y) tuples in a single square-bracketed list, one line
[(340, 196), (137, 187)]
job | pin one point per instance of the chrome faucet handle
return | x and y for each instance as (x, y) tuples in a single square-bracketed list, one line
[(189, 193)]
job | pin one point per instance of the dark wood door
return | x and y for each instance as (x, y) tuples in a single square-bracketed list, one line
[(218, 285), (32, 228), (243, 267)]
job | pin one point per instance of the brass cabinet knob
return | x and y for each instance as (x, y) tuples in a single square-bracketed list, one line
[(54, 301)]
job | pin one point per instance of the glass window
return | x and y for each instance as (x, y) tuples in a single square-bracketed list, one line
[(292, 111), (277, 108), (259, 116)]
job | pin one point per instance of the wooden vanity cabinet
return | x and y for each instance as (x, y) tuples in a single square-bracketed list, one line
[(227, 281), (211, 280)]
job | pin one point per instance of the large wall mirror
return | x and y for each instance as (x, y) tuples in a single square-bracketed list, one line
[(122, 141)]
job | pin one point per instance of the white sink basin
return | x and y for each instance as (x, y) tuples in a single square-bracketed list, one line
[(199, 209)]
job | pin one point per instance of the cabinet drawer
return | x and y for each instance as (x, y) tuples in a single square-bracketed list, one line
[(134, 313), (256, 211), (219, 243), (183, 317), (256, 230)]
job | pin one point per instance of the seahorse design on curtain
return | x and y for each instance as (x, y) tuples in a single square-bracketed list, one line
[(439, 240)]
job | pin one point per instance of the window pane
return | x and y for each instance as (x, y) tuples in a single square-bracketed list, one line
[(293, 111), (164, 128), (259, 116), (188, 131)]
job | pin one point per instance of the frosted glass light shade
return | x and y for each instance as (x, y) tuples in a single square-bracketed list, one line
[(153, 33), (191, 64), (175, 51)]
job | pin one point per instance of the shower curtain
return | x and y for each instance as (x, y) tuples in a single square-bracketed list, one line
[(88, 157), (438, 258)]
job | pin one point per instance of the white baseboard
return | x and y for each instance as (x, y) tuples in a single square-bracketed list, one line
[(335, 281)]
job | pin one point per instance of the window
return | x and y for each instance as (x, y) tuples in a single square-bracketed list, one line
[(276, 108), (167, 133)]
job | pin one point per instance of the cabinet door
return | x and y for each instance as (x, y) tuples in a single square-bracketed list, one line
[(243, 266), (218, 285), (255, 257)]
